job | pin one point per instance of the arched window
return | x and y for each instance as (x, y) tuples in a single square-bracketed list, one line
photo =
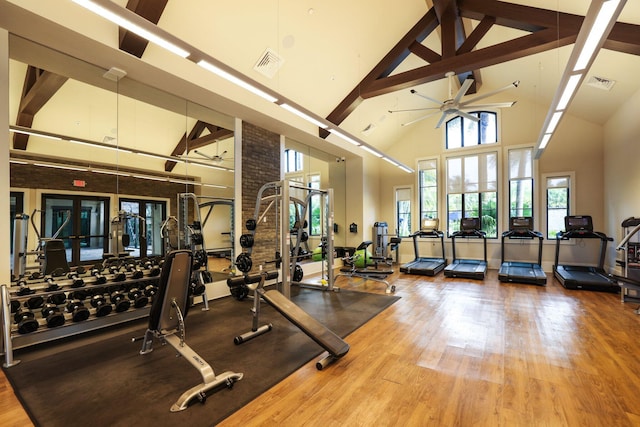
[(464, 132)]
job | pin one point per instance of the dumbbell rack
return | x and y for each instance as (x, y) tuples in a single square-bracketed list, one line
[(12, 340)]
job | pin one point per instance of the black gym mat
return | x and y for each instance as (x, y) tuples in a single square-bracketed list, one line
[(100, 379)]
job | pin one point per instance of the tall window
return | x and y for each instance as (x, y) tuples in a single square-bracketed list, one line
[(463, 132), (403, 211), (154, 214), (315, 208), (472, 191), (293, 161), (428, 182), (558, 203), (521, 182)]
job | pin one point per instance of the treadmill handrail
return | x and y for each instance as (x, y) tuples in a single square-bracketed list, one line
[(528, 234), (432, 234), (468, 234), (583, 234)]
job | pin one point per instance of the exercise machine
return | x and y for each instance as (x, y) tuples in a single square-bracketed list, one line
[(323, 336), (630, 281), (592, 278), (426, 266), (521, 228), (121, 233), (166, 323), (468, 268), (369, 271)]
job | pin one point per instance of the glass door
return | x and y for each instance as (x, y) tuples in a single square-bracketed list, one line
[(149, 243)]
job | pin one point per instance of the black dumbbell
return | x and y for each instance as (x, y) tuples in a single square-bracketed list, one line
[(80, 294), (26, 321), (77, 281), (99, 302), (118, 276), (15, 305), (24, 289), (100, 278), (78, 311), (52, 285), (197, 288), (138, 297), (34, 302), (57, 298), (150, 290), (135, 271), (51, 313), (120, 301)]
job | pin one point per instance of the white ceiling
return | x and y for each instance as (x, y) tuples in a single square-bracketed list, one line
[(328, 46)]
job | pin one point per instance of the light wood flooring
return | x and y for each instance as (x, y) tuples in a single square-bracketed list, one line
[(457, 352)]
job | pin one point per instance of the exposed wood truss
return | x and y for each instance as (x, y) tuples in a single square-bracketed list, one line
[(547, 29), (151, 10), (39, 86), (194, 140)]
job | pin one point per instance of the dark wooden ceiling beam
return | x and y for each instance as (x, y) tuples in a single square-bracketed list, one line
[(476, 35), (624, 38), (210, 138), (194, 140), (385, 67), (151, 10), (424, 53), (38, 88)]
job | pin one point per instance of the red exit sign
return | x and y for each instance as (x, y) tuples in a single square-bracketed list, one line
[(79, 183)]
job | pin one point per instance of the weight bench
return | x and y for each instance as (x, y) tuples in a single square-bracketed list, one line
[(323, 336), (166, 320), (373, 274)]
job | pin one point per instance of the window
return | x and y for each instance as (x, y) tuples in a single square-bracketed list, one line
[(558, 203), (403, 211), (472, 191), (521, 182), (293, 161), (315, 208), (462, 132), (428, 183), (154, 214)]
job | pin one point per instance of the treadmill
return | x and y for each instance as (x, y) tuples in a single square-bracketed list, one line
[(426, 266), (517, 271), (592, 278), (468, 268)]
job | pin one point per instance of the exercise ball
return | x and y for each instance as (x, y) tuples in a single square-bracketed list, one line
[(316, 255), (360, 262)]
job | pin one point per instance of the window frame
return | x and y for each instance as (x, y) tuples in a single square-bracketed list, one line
[(408, 215), (421, 212), (479, 130), (571, 199), (530, 178)]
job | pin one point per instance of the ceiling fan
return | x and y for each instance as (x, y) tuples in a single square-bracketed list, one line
[(453, 106), (217, 158)]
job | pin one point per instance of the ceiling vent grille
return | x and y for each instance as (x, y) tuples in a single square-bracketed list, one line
[(268, 64), (601, 82)]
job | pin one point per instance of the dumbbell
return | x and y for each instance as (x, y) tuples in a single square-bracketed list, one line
[(77, 281), (120, 301), (97, 273), (135, 270), (26, 321), (15, 305), (138, 297), (79, 294), (78, 311), (57, 298), (52, 285), (118, 276), (51, 313), (99, 302), (34, 302), (24, 289), (150, 290)]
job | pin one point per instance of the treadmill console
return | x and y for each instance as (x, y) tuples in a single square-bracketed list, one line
[(521, 224), (469, 224), (430, 224), (578, 223)]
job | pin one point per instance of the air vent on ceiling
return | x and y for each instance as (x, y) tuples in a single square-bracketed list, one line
[(269, 63), (601, 82)]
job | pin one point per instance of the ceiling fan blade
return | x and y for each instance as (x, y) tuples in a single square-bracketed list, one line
[(204, 155), (442, 119), (486, 95), (463, 89), (415, 92), (419, 119), (413, 109), (492, 105)]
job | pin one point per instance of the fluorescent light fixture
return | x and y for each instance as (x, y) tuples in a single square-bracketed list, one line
[(35, 133), (555, 119), (596, 27), (596, 34), (107, 172), (303, 115), (18, 162), (371, 150), (236, 80), (345, 137), (214, 186), (71, 168), (155, 156), (390, 161), (96, 145), (406, 169), (569, 90), (545, 141), (152, 178), (133, 27)]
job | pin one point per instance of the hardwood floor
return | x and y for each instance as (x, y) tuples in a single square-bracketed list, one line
[(458, 353)]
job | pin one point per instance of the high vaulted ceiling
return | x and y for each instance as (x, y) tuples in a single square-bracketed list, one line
[(353, 62)]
